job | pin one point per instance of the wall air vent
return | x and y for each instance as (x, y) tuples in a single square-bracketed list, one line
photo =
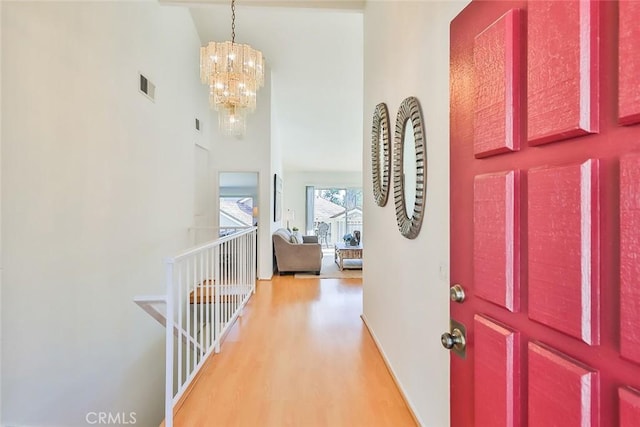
[(147, 87)]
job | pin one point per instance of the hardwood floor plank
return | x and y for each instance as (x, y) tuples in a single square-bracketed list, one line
[(300, 356)]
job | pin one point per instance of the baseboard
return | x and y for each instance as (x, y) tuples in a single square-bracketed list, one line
[(407, 401)]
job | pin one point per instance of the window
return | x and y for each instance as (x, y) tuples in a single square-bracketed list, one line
[(337, 211)]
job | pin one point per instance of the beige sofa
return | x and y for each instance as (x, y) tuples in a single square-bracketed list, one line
[(296, 257)]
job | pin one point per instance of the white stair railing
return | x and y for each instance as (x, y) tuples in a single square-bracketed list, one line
[(207, 289)]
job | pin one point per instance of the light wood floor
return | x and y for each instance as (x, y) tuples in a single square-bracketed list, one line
[(300, 356)]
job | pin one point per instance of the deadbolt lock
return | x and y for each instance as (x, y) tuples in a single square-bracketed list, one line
[(456, 293)]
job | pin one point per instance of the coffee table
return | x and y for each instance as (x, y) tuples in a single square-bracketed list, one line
[(344, 252)]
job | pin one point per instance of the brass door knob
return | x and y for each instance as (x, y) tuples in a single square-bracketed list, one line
[(456, 293), (454, 340)]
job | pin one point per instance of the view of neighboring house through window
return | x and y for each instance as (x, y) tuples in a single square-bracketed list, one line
[(235, 212), (336, 212), (238, 201)]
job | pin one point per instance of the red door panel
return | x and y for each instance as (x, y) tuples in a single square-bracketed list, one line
[(629, 256), (563, 249), (563, 69), (545, 238), (561, 391), (629, 407), (496, 253), (497, 58), (629, 62), (497, 364)]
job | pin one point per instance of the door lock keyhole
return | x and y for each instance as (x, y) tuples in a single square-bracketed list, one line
[(456, 293)]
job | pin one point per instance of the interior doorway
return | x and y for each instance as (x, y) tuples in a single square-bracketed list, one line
[(237, 201)]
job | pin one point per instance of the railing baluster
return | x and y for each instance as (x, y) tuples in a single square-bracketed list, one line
[(188, 318), (254, 264), (228, 297), (194, 313), (215, 282), (241, 267), (236, 268), (207, 275), (218, 322), (207, 288), (223, 278), (201, 303), (180, 340)]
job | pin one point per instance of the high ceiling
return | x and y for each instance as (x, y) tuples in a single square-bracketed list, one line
[(314, 50)]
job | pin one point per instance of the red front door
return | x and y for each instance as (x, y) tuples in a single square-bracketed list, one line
[(545, 213)]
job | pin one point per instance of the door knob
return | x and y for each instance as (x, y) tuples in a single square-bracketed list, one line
[(456, 293), (454, 340)]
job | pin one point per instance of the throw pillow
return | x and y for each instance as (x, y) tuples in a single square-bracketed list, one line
[(294, 239)]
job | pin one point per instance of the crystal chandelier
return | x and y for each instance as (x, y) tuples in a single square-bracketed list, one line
[(234, 73)]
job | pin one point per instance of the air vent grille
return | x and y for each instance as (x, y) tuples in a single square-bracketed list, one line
[(147, 87)]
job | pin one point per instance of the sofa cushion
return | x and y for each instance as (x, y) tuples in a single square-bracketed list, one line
[(284, 233)]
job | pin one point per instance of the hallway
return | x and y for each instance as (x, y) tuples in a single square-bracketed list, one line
[(300, 356)]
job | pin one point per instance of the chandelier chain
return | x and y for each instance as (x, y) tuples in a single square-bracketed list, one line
[(233, 21)]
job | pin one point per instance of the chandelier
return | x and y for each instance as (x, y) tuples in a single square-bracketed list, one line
[(234, 73)]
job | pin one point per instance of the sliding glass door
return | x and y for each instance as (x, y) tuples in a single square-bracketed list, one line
[(336, 212)]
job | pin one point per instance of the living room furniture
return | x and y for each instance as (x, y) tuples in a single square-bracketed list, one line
[(294, 256), (323, 233), (347, 252)]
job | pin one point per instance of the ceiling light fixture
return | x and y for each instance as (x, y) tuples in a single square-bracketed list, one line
[(234, 73)]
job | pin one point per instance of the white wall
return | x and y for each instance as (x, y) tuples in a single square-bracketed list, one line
[(97, 187), (315, 55), (406, 287), (250, 153), (317, 85), (295, 184)]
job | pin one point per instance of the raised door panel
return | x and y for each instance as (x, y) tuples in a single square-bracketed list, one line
[(629, 407), (629, 256), (562, 392), (562, 69), (497, 62), (496, 243), (629, 62), (563, 248), (497, 368)]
